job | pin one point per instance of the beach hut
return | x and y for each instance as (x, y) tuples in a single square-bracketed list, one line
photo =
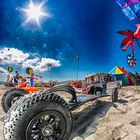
[(120, 74)]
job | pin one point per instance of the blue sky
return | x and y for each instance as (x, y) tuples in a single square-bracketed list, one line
[(84, 27)]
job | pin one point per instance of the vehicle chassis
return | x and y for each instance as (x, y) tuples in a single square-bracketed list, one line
[(45, 115)]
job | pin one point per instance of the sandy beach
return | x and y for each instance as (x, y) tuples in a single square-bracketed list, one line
[(102, 119)]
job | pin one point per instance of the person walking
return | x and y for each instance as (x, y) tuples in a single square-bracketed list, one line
[(32, 80)]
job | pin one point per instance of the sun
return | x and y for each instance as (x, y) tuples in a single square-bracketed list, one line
[(34, 12)]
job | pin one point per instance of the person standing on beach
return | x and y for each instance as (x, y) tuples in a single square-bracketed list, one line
[(32, 80), (16, 78)]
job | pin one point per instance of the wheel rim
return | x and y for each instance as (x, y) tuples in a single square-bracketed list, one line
[(48, 125)]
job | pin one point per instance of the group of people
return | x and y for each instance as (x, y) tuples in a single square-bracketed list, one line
[(17, 77)]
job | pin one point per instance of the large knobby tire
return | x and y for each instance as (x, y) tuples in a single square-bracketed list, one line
[(10, 97), (67, 89), (30, 117)]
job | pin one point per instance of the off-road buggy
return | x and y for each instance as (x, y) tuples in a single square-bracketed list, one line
[(44, 115), (12, 95)]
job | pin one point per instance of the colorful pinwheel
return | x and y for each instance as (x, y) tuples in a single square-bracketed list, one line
[(131, 60)]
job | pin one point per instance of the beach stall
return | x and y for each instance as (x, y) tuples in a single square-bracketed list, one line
[(125, 77)]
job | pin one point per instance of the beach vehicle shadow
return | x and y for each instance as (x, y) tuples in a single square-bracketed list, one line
[(121, 101), (85, 122)]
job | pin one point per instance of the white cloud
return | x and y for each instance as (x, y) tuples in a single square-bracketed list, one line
[(41, 65), (3, 71), (12, 56), (46, 63), (30, 62)]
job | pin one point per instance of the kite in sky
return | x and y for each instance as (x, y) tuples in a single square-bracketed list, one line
[(131, 8), (131, 37)]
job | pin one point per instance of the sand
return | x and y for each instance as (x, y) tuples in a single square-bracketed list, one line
[(118, 121), (102, 119), (2, 114)]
